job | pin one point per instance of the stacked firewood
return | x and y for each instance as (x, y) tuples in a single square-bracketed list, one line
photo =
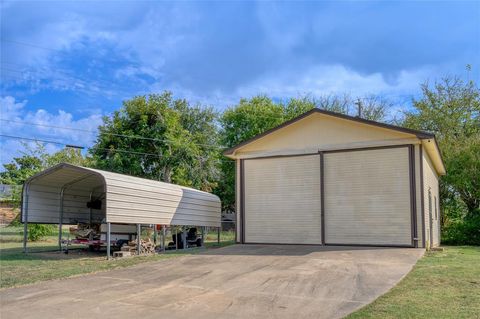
[(146, 247)]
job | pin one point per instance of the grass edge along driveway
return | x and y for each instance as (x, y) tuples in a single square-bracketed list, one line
[(443, 284), (17, 269)]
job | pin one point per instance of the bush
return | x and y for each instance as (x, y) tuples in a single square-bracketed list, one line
[(464, 231), (39, 231)]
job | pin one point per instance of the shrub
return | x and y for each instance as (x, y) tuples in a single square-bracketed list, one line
[(39, 231), (464, 231)]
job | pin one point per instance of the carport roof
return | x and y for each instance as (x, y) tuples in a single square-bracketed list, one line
[(128, 199)]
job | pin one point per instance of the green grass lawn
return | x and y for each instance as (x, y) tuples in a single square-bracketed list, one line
[(44, 263), (441, 285)]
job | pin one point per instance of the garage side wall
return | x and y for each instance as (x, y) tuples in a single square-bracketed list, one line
[(431, 202)]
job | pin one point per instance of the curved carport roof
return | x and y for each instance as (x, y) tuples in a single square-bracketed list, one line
[(60, 195)]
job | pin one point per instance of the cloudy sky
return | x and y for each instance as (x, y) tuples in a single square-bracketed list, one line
[(68, 63)]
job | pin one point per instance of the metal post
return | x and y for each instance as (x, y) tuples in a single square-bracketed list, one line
[(109, 229), (184, 237), (163, 237), (90, 212), (138, 238), (203, 235), (25, 223), (60, 224), (155, 237), (218, 235), (176, 238)]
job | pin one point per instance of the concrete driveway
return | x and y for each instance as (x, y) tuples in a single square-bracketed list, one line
[(249, 281)]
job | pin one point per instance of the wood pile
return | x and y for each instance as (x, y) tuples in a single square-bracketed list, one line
[(146, 247)]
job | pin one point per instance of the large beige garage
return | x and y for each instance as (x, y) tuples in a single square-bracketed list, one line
[(325, 178)]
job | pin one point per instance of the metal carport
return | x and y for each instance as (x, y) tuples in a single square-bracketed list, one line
[(59, 195)]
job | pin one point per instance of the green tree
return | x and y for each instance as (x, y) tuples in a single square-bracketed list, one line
[(450, 108), (162, 138), (34, 160)]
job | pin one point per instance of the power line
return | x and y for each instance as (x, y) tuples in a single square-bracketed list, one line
[(84, 147), (65, 144), (100, 133)]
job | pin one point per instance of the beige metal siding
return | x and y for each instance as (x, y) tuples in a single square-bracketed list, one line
[(367, 197), (136, 200), (282, 200), (430, 183), (323, 132)]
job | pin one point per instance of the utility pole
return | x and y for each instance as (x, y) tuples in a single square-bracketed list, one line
[(359, 107)]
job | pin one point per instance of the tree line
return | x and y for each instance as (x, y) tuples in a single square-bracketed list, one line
[(163, 138)]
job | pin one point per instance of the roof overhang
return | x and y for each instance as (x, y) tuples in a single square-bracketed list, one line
[(427, 139)]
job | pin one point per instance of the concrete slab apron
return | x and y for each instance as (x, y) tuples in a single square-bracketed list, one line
[(253, 281)]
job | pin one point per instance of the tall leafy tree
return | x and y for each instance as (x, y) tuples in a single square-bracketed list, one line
[(450, 108), (159, 137)]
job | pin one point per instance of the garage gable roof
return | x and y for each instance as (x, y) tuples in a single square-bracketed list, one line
[(419, 134)]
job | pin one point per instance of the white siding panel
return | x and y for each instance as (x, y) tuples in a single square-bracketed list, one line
[(432, 220), (282, 200), (367, 197)]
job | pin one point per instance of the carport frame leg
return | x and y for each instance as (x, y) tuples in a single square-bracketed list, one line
[(25, 223), (163, 237), (60, 224), (109, 228), (218, 235), (184, 237), (139, 230)]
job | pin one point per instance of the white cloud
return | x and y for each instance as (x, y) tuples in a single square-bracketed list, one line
[(60, 127)]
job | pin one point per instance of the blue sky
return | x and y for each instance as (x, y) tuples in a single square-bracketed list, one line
[(69, 63)]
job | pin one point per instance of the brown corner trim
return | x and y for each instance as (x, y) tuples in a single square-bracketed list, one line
[(422, 197), (242, 201), (322, 196), (413, 202)]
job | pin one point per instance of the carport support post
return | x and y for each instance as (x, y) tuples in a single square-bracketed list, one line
[(109, 228), (176, 238), (218, 235), (25, 223), (184, 237), (60, 224), (163, 237), (138, 238), (203, 236)]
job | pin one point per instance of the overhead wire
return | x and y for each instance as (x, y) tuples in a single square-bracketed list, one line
[(99, 132), (33, 139)]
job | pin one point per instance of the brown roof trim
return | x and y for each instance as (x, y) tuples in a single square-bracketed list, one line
[(419, 134)]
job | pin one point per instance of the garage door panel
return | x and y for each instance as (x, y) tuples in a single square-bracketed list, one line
[(282, 202), (367, 197)]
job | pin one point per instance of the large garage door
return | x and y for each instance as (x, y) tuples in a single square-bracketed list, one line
[(282, 200), (367, 197)]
